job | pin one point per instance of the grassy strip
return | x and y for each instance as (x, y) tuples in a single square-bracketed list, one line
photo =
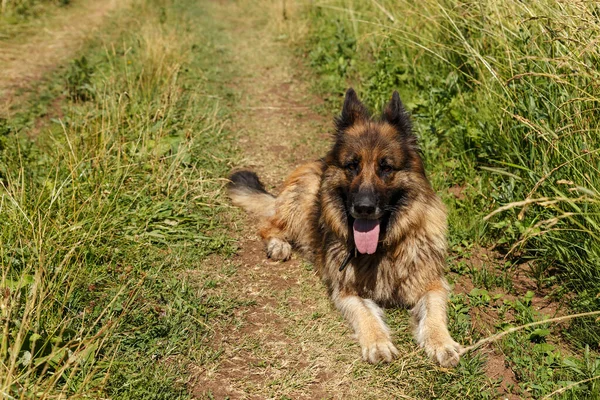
[(504, 102), (107, 210)]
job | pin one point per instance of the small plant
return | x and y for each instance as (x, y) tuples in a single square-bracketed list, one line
[(479, 297), (78, 80), (489, 279)]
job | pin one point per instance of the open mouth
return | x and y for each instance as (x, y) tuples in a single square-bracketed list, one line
[(366, 235)]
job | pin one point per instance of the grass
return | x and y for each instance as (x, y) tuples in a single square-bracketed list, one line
[(504, 101), (109, 200)]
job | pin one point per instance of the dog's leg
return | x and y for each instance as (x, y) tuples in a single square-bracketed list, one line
[(366, 318), (430, 323), (278, 248)]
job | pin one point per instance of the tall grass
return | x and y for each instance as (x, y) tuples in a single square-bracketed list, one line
[(505, 98), (104, 208)]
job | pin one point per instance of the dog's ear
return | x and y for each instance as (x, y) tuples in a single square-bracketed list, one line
[(352, 112), (396, 114)]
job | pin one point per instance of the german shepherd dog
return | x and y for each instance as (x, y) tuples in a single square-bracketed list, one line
[(368, 219)]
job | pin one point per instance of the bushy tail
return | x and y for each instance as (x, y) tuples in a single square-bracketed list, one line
[(248, 192)]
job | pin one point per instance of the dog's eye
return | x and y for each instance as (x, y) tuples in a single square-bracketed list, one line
[(386, 168), (352, 166)]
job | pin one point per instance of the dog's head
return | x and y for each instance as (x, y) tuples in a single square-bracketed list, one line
[(372, 171)]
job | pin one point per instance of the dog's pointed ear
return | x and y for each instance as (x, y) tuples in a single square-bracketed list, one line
[(352, 112), (396, 115)]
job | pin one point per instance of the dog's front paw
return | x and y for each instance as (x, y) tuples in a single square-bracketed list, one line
[(278, 249), (379, 350), (446, 353)]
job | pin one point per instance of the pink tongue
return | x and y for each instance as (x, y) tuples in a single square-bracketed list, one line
[(366, 235)]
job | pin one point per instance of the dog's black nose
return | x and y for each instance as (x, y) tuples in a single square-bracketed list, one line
[(365, 206), (364, 210)]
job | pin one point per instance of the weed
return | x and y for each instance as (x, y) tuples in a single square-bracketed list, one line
[(459, 318), (489, 279), (78, 80)]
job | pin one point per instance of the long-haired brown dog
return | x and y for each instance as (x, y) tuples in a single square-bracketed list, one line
[(368, 218)]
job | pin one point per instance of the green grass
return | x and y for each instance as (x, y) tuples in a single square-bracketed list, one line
[(504, 102), (110, 198)]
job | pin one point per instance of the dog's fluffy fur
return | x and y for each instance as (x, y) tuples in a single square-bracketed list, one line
[(374, 174)]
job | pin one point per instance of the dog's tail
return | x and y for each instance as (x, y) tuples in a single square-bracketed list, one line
[(248, 192)]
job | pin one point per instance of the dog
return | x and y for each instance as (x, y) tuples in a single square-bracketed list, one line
[(368, 218)]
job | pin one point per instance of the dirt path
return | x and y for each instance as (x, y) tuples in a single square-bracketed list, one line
[(291, 341), (42, 47)]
